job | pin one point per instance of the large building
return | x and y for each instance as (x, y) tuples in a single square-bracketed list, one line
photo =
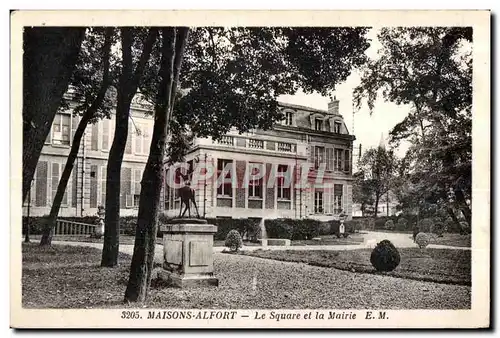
[(301, 168)]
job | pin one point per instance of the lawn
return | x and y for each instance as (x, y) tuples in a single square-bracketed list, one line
[(353, 239), (434, 265), (453, 240), (70, 277)]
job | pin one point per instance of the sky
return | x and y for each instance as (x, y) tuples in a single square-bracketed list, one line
[(368, 129)]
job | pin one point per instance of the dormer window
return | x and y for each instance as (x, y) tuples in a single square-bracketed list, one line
[(289, 118), (318, 124), (336, 127)]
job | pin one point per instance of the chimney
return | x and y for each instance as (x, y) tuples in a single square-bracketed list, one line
[(333, 106)]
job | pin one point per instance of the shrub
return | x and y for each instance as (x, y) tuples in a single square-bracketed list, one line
[(351, 226), (233, 240), (385, 256), (464, 228), (279, 228), (438, 229), (304, 229), (325, 228), (389, 225), (422, 239), (426, 225), (402, 224), (380, 222)]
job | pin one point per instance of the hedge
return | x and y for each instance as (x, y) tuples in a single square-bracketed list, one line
[(303, 229)]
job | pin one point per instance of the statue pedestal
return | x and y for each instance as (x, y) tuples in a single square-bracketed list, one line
[(188, 253)]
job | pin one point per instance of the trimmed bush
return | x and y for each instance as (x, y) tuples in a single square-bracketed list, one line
[(380, 222), (389, 225), (279, 228), (351, 226), (233, 240), (402, 224), (385, 256), (422, 239), (426, 225)]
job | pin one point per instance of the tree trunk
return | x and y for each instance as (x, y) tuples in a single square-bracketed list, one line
[(152, 180), (49, 58), (48, 230), (127, 87), (27, 230), (453, 217), (50, 224)]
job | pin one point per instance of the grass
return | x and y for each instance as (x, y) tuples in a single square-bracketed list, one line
[(432, 265), (353, 239), (70, 277), (453, 240)]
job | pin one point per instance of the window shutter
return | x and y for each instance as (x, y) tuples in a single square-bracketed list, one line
[(93, 186), (65, 196), (41, 184), (94, 143), (128, 146), (105, 134), (74, 187), (55, 179)]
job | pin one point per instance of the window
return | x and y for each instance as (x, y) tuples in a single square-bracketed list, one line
[(318, 156), (336, 127), (347, 160), (329, 159), (337, 159), (255, 185), (283, 188), (103, 185), (137, 187), (94, 140), (337, 198), (289, 118), (318, 202), (142, 140), (61, 129), (318, 124), (225, 188), (108, 132)]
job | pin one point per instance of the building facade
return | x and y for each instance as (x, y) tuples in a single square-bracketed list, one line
[(302, 168), (305, 166)]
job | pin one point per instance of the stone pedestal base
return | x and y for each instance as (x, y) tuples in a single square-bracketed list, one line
[(188, 253)]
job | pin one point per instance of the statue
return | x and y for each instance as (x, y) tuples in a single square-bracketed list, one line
[(99, 229), (186, 193)]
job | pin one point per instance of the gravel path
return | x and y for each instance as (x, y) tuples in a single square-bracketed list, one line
[(249, 283)]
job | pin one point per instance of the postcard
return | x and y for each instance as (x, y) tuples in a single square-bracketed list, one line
[(250, 169)]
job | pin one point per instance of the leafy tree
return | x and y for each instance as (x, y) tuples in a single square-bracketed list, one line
[(429, 69), (230, 77), (362, 191), (378, 166), (49, 57), (136, 43), (172, 49), (90, 80)]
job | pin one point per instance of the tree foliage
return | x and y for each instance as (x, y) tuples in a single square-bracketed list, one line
[(429, 69), (232, 77), (377, 168)]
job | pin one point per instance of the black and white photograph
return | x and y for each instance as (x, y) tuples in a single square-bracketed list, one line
[(211, 171)]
